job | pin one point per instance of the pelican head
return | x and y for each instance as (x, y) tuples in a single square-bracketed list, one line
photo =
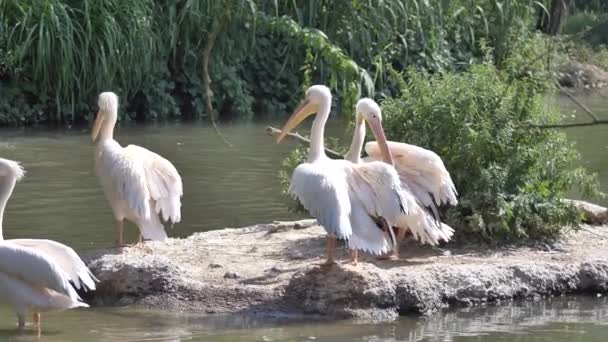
[(316, 96), (108, 111), (368, 110)]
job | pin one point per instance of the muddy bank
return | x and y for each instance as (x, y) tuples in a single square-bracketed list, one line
[(581, 76), (275, 268)]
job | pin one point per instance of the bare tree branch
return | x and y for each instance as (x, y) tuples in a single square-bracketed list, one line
[(594, 118), (571, 97), (216, 28), (274, 132), (574, 124)]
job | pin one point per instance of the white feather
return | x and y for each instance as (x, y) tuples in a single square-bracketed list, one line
[(367, 236), (321, 188), (422, 178), (36, 274), (139, 184), (65, 257), (422, 170)]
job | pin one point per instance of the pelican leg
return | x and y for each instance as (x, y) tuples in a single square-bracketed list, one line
[(331, 246), (20, 322), (120, 227), (354, 256), (401, 233), (140, 240), (36, 318), (394, 255)]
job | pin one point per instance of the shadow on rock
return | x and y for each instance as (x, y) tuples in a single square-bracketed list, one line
[(343, 291)]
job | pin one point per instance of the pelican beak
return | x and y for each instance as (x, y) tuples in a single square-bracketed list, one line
[(96, 126), (378, 132), (304, 110)]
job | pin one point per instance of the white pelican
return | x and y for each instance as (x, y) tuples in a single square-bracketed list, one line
[(139, 184), (423, 177), (359, 203), (35, 275)]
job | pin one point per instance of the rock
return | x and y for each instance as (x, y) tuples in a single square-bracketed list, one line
[(582, 76), (231, 275), (592, 213), (122, 276), (182, 274), (295, 255), (341, 290)]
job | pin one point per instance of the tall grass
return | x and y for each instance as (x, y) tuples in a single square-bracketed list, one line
[(435, 35), (67, 51), (73, 48)]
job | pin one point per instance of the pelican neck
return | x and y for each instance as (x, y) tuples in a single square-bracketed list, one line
[(6, 189), (317, 148), (356, 145), (107, 126)]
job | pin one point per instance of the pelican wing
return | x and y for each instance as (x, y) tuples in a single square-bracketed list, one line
[(378, 190), (126, 174), (368, 235), (422, 170), (376, 194), (66, 258), (34, 268), (424, 226), (322, 189), (376, 185), (162, 181)]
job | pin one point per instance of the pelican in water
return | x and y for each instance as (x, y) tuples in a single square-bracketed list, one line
[(139, 184), (35, 275), (424, 179), (355, 202)]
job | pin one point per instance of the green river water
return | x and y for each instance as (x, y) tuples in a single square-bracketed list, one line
[(60, 199)]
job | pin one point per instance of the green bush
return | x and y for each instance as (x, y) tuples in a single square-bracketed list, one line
[(511, 177)]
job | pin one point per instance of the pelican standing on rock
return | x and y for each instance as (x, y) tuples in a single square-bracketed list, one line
[(139, 184), (35, 275), (341, 195), (424, 179)]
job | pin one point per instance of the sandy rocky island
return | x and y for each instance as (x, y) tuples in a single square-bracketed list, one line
[(274, 269)]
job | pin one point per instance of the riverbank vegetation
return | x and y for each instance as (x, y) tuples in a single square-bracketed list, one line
[(488, 122), (465, 78), (57, 55)]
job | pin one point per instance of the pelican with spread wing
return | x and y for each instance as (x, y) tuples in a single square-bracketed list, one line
[(424, 178), (140, 185), (35, 275), (355, 202)]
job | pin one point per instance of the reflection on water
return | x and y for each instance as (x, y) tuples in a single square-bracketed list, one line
[(555, 319)]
